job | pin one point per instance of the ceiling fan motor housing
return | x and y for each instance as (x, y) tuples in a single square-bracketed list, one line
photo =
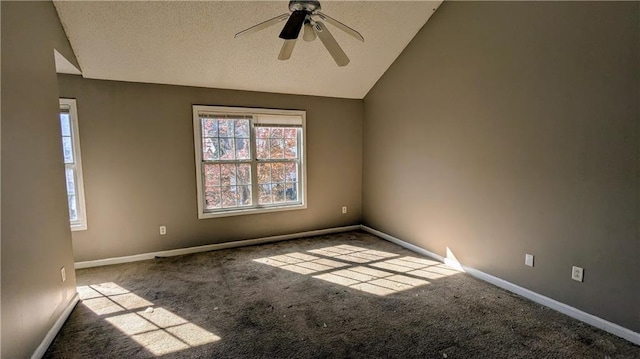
[(301, 17), (303, 5)]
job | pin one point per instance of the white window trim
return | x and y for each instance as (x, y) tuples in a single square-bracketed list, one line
[(81, 223), (261, 115)]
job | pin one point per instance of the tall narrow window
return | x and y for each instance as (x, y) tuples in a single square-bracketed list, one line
[(248, 160), (72, 164)]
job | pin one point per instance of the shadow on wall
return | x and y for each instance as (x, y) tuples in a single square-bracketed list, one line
[(371, 271)]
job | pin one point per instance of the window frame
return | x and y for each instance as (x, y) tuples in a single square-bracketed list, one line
[(68, 104), (259, 116)]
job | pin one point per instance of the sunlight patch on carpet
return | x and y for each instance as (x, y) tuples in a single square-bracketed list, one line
[(301, 263), (371, 271), (157, 329)]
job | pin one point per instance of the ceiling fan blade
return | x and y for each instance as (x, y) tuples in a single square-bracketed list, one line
[(330, 43), (340, 25), (287, 49), (291, 29), (263, 25)]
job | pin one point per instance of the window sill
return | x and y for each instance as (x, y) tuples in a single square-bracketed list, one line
[(249, 211), (78, 227)]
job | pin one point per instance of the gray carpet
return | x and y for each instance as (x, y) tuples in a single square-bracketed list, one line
[(349, 295)]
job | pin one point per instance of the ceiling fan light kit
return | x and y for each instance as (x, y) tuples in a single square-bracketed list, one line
[(308, 34), (307, 15)]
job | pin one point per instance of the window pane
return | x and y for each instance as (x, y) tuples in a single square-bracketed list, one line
[(276, 148), (227, 148), (290, 132), (244, 174), (71, 183), (73, 208), (228, 174), (209, 127), (290, 148), (242, 128), (225, 128), (264, 172), (244, 195), (210, 148), (277, 190), (262, 132), (211, 176), (262, 148), (292, 192), (67, 149), (264, 194), (276, 132), (229, 196), (277, 172), (243, 149), (291, 169), (65, 123), (212, 198)]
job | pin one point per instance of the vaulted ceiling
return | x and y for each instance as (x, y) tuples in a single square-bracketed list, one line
[(192, 43)]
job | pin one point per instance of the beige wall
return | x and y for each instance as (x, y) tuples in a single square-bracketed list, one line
[(510, 128), (503, 129), (139, 168), (36, 240)]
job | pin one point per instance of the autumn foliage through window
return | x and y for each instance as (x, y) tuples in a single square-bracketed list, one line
[(248, 161)]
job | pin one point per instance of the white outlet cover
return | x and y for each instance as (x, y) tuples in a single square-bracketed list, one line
[(577, 273), (528, 260), (163, 230), (63, 274)]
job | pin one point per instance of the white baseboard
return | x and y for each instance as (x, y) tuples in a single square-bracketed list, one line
[(585, 317), (212, 247), (597, 322), (48, 339), (590, 319)]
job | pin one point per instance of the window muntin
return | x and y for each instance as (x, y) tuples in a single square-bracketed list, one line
[(73, 164), (248, 160)]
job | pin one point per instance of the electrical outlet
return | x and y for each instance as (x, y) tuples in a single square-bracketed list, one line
[(163, 230), (528, 260), (344, 209), (63, 275), (577, 273)]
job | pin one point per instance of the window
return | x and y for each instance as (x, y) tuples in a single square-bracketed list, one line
[(72, 164), (249, 160)]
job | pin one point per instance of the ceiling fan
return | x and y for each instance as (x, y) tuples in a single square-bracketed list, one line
[(307, 14)]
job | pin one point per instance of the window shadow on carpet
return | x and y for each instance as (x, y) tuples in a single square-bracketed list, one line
[(156, 329), (343, 295), (371, 271)]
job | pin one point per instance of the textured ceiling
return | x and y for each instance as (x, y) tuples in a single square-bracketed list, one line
[(192, 43)]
